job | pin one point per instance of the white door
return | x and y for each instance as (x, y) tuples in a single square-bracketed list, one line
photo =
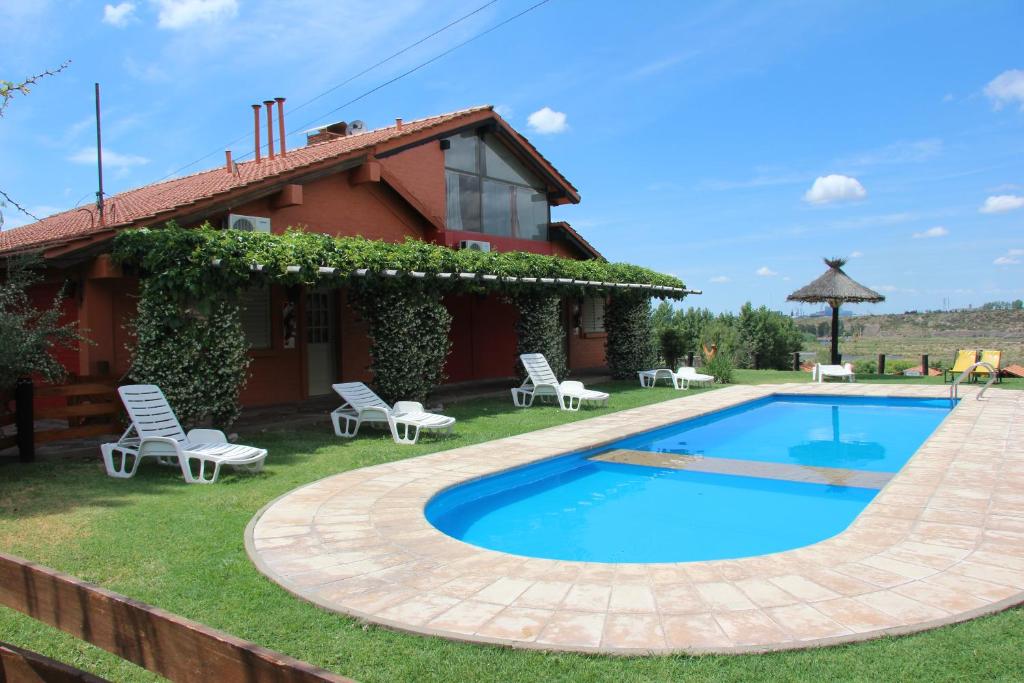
[(320, 343)]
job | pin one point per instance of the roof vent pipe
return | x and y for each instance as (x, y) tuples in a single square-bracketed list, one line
[(398, 124), (280, 121), (227, 160), (256, 130), (270, 128)]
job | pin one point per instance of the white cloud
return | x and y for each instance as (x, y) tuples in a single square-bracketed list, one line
[(765, 271), (884, 288), (835, 188), (720, 279), (118, 15), (1006, 88), (856, 254), (177, 14), (948, 97), (1011, 258), (503, 110), (547, 121), (111, 159), (1001, 203), (937, 231)]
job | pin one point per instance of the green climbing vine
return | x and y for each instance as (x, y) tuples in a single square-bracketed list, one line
[(630, 344), (197, 356), (540, 330), (409, 340)]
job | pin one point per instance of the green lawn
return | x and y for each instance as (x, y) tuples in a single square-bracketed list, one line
[(181, 548)]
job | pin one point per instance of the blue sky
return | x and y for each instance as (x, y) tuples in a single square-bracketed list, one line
[(730, 143)]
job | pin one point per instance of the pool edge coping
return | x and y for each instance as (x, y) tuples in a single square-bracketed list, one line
[(991, 607)]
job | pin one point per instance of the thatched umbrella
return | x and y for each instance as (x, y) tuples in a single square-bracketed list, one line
[(835, 287)]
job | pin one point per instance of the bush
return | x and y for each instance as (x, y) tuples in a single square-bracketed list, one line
[(27, 334), (630, 344), (199, 358), (720, 367), (673, 345), (865, 367), (408, 340), (768, 338), (721, 333), (540, 330)]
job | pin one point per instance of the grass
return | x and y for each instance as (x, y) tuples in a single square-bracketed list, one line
[(181, 548)]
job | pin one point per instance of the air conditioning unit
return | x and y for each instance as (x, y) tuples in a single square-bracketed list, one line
[(475, 245), (248, 223)]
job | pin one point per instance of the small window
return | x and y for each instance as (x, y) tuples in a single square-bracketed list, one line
[(462, 153), (592, 315), (254, 308)]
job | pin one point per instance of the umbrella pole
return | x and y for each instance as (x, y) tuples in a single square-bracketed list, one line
[(835, 334)]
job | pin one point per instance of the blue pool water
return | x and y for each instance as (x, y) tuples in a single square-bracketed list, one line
[(575, 508)]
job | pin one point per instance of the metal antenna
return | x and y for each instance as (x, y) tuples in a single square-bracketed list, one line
[(99, 157)]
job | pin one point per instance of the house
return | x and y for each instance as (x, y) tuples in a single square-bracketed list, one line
[(465, 179)]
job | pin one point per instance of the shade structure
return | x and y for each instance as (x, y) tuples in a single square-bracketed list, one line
[(835, 288)]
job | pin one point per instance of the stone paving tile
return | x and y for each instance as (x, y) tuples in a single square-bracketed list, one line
[(945, 537), (573, 629)]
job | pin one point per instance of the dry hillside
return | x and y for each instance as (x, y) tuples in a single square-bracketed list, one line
[(938, 334)]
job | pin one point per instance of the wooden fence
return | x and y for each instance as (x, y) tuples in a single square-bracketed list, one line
[(89, 405), (161, 642)]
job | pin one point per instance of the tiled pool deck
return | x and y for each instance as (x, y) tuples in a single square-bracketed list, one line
[(941, 543)]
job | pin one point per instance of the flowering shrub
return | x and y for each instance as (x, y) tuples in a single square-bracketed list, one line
[(199, 359), (409, 340), (540, 330), (630, 343), (27, 334)]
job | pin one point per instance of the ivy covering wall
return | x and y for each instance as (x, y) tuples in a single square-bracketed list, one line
[(408, 340), (179, 262), (630, 343), (196, 354), (191, 276), (540, 330)]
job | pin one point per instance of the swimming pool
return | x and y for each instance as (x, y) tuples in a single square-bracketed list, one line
[(773, 474)]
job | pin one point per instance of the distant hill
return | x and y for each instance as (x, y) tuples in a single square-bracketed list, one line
[(938, 333)]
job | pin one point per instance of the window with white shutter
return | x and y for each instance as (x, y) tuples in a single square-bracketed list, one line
[(254, 308), (592, 315)]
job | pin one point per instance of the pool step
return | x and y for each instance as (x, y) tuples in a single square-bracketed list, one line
[(834, 476)]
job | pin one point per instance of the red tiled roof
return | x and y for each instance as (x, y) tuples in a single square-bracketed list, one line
[(145, 203), (574, 236)]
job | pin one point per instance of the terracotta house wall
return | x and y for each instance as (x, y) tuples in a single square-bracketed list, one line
[(42, 296), (334, 206), (483, 337), (421, 170)]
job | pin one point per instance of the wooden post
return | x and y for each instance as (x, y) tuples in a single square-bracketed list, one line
[(881, 364), (24, 420), (796, 361), (836, 357), (924, 364), (689, 360)]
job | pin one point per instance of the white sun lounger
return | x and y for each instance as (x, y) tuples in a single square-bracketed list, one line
[(687, 376), (405, 419), (680, 380), (845, 371), (541, 381), (155, 432)]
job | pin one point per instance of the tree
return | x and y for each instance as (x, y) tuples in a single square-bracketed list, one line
[(8, 90), (28, 335)]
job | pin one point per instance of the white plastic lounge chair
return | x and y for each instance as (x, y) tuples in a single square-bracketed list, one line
[(405, 419), (541, 381), (649, 378), (845, 371), (155, 432), (687, 376)]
